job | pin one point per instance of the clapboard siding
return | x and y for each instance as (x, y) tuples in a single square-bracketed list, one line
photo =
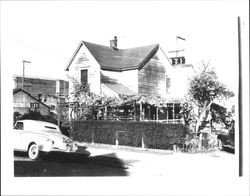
[(152, 78), (85, 60), (21, 104)]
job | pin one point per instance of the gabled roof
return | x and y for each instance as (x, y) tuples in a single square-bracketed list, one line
[(15, 91), (118, 59)]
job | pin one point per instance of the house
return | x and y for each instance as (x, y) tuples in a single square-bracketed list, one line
[(23, 102), (47, 90), (112, 71)]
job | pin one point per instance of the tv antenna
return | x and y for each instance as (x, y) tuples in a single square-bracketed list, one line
[(178, 50)]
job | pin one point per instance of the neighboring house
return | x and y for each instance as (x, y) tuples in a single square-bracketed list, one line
[(47, 90), (23, 102)]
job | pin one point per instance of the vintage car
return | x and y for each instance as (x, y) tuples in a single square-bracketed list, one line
[(35, 137)]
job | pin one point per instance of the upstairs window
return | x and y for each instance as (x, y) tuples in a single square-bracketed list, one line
[(34, 105), (84, 76), (167, 84)]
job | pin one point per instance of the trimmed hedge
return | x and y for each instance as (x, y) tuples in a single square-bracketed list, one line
[(154, 135)]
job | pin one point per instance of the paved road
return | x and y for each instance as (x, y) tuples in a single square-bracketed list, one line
[(117, 162), (68, 165)]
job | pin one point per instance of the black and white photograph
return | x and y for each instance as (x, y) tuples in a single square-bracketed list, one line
[(125, 97)]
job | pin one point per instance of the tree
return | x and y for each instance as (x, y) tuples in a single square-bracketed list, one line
[(204, 89)]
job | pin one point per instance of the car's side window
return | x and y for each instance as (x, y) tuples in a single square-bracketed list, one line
[(19, 126)]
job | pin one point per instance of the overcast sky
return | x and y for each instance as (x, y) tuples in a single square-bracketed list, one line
[(48, 32)]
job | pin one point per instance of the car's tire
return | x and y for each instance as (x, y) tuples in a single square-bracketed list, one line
[(220, 144), (33, 151)]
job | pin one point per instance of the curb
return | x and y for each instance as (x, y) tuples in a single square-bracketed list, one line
[(125, 148)]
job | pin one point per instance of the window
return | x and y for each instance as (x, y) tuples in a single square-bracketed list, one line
[(167, 83), (84, 76), (34, 105), (52, 107)]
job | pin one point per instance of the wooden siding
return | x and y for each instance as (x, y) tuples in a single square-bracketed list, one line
[(85, 61), (126, 78), (152, 78), (21, 104)]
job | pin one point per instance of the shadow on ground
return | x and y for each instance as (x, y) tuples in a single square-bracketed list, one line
[(63, 165)]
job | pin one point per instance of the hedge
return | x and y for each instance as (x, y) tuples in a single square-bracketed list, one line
[(154, 135)]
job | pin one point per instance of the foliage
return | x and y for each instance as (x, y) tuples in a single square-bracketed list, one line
[(89, 106), (204, 89), (155, 135), (35, 115)]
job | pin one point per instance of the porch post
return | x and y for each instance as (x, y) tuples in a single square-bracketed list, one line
[(157, 111), (167, 113), (173, 112), (141, 111), (134, 110), (105, 113), (149, 112)]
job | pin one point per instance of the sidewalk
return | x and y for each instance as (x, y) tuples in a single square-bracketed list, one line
[(150, 162), (122, 152)]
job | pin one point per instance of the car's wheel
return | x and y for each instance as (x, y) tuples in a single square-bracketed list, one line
[(220, 145), (33, 151)]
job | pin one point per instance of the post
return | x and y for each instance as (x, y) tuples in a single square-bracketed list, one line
[(157, 115), (149, 113), (58, 113), (140, 111), (240, 103), (134, 110), (105, 113), (116, 138), (23, 72), (173, 112), (142, 142)]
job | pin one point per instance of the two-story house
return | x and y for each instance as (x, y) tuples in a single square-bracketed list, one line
[(112, 71)]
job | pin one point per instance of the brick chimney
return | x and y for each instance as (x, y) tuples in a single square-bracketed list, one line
[(113, 43)]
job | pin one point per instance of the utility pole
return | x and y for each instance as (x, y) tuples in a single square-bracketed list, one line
[(240, 102), (23, 71)]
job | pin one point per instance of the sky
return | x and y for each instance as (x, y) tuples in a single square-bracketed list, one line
[(48, 32)]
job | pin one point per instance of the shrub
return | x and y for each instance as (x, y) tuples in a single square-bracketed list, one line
[(155, 135)]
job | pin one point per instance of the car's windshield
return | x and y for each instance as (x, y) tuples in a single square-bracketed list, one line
[(18, 126)]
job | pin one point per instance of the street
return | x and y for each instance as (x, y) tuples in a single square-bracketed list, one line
[(120, 162), (68, 165)]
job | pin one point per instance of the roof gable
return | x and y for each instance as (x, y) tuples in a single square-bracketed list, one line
[(15, 91), (119, 59)]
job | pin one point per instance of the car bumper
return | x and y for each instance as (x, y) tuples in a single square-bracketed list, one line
[(70, 149)]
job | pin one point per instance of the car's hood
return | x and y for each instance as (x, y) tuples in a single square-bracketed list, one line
[(55, 136)]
